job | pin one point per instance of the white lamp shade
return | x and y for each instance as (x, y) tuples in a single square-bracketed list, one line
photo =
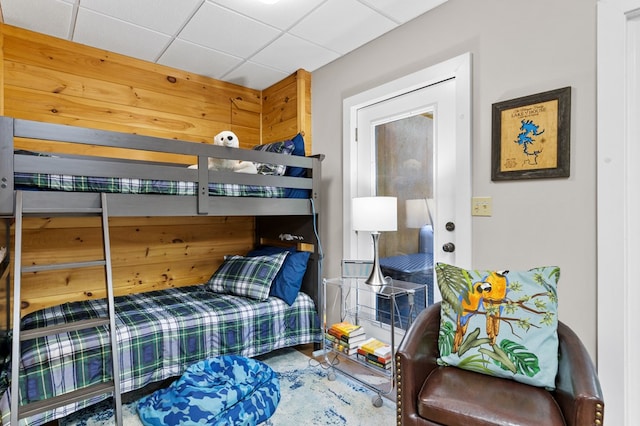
[(374, 214), (417, 213)]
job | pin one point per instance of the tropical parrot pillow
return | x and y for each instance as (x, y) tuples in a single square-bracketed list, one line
[(500, 323)]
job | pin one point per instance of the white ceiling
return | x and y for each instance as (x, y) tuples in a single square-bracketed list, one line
[(246, 42)]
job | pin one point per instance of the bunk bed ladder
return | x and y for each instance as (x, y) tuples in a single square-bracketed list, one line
[(110, 387)]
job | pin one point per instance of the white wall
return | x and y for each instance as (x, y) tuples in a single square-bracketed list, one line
[(519, 48)]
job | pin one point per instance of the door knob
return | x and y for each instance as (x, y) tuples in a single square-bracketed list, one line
[(449, 247)]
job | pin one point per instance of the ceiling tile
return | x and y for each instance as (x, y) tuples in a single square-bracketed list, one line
[(218, 28), (198, 59), (124, 38), (231, 40), (50, 17), (282, 15), (403, 10), (254, 76), (165, 16), (343, 25), (289, 53)]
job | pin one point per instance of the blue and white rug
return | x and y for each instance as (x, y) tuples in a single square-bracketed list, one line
[(307, 398)]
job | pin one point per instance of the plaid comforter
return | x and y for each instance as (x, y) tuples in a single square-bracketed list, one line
[(159, 335), (139, 186)]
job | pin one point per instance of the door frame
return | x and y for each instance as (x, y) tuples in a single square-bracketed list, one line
[(618, 206), (457, 68)]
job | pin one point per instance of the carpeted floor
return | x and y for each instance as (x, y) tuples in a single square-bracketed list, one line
[(307, 398)]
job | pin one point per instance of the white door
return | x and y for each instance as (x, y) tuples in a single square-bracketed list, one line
[(443, 92)]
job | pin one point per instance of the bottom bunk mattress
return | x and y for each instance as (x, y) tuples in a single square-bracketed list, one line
[(159, 335)]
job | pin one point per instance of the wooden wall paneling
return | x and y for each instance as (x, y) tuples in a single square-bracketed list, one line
[(119, 93), (2, 71), (147, 254), (40, 106), (25, 46), (303, 92), (45, 289), (138, 244), (80, 86), (134, 243), (244, 115), (281, 104)]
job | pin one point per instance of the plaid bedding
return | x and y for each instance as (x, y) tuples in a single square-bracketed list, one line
[(159, 334), (139, 186)]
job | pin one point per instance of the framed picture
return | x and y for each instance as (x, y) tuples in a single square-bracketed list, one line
[(531, 136)]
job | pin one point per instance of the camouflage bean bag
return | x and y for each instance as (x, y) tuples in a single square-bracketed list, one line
[(225, 390)]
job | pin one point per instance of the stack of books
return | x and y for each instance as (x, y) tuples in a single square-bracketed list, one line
[(375, 352), (345, 337)]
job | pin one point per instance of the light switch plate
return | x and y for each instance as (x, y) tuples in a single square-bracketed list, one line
[(481, 206)]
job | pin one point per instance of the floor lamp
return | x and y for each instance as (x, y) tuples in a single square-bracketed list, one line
[(375, 215)]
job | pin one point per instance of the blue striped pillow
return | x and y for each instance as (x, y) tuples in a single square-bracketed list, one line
[(247, 276)]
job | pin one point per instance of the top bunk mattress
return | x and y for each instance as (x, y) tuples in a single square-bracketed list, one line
[(71, 183)]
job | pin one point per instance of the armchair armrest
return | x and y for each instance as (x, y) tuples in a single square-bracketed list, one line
[(415, 359), (578, 389)]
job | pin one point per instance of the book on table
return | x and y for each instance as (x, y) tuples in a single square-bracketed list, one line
[(364, 355), (350, 340), (340, 346), (373, 360), (348, 344), (347, 332), (376, 347), (345, 328)]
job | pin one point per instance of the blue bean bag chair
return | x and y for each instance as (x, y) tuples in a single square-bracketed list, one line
[(225, 390)]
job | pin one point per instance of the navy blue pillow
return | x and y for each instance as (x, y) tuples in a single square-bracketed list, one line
[(298, 149), (288, 281)]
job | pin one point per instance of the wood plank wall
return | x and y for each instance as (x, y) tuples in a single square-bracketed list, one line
[(286, 109), (48, 79)]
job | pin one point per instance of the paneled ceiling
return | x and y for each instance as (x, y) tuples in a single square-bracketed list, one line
[(248, 42)]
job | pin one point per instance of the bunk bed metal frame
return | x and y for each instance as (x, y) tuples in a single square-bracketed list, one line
[(14, 204), (148, 204)]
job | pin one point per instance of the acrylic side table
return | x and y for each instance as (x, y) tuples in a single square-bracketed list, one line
[(359, 304)]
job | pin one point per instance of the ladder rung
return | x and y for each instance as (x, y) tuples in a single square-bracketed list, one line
[(62, 328), (37, 407), (69, 265)]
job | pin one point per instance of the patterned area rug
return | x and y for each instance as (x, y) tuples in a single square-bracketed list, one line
[(307, 398)]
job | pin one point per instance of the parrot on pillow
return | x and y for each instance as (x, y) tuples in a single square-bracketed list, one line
[(488, 293)]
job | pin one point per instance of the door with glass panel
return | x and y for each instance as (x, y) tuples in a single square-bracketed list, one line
[(407, 148)]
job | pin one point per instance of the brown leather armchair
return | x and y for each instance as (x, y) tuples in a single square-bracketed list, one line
[(428, 394)]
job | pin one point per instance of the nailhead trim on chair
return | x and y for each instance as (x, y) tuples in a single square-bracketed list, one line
[(598, 419), (398, 391)]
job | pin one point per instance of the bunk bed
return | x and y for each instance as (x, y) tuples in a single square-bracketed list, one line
[(158, 333)]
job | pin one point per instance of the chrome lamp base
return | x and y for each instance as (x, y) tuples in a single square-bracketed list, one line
[(376, 279)]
